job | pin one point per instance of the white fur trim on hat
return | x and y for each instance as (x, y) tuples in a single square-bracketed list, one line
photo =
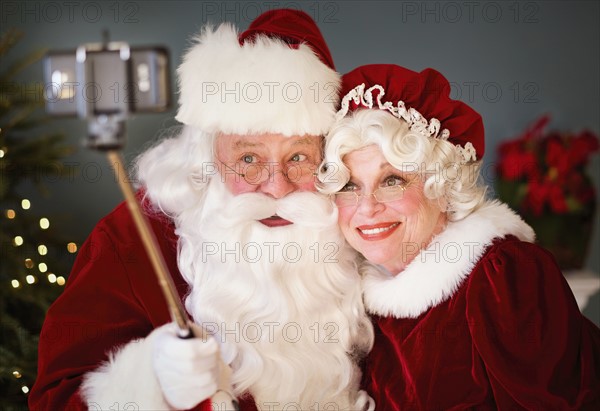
[(428, 281), (263, 86)]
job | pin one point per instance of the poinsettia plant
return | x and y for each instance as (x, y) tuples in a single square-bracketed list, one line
[(543, 172)]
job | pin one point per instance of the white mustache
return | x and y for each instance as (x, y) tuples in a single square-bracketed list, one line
[(305, 208)]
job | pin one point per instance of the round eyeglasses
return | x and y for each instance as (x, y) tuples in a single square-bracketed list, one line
[(259, 173), (381, 195)]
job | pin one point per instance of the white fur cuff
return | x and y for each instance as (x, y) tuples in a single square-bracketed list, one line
[(125, 381)]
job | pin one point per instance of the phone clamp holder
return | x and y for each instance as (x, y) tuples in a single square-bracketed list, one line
[(103, 70)]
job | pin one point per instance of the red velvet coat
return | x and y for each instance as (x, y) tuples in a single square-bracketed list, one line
[(506, 334), (111, 298)]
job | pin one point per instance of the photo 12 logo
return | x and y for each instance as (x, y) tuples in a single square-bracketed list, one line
[(470, 11), (69, 11), (323, 12), (253, 252), (526, 92), (268, 92)]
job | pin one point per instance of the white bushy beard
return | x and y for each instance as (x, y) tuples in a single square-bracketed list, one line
[(285, 302)]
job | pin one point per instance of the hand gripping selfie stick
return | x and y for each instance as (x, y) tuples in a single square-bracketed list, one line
[(101, 64)]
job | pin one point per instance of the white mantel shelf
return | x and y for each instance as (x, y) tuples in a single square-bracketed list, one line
[(584, 284)]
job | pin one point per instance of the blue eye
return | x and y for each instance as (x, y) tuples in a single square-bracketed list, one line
[(299, 157), (249, 158)]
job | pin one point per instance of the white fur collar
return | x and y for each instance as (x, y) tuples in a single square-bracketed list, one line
[(437, 272)]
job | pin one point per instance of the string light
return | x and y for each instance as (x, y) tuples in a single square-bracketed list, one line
[(44, 223), (42, 249)]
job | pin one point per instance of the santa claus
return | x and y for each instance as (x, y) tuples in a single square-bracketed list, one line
[(254, 252)]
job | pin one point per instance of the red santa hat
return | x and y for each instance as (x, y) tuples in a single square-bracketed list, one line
[(276, 77), (421, 99)]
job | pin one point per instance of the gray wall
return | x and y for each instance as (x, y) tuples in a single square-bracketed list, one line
[(512, 61)]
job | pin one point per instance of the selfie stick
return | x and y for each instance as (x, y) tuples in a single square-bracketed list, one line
[(106, 132)]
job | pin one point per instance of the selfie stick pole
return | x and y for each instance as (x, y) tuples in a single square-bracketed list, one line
[(165, 281)]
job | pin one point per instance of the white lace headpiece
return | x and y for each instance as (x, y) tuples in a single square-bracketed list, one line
[(416, 121)]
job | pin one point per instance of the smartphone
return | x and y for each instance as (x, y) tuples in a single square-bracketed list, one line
[(95, 81)]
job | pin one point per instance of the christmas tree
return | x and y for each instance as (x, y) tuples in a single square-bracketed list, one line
[(34, 259)]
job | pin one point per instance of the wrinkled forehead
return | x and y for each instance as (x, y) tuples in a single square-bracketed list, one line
[(271, 143)]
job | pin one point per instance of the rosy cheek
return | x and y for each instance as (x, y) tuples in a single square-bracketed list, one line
[(308, 186), (409, 204), (237, 185), (344, 217)]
